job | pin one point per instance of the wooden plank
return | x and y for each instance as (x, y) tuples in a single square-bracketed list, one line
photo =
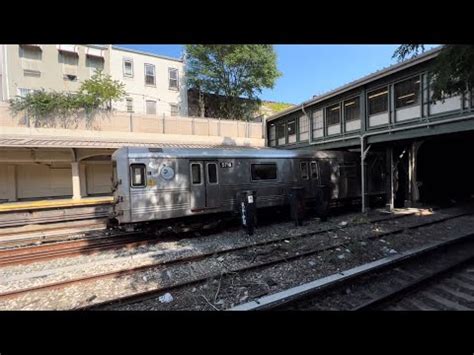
[(444, 301), (461, 283), (419, 305), (465, 296)]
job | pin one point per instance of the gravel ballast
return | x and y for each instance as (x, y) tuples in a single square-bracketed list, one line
[(218, 292)]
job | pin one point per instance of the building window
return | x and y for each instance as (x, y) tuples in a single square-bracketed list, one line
[(150, 74), (128, 67), (129, 104), (378, 101), (174, 110), (22, 92), (304, 171), (333, 115), (407, 92), (263, 171), (69, 58), (352, 109), (173, 79), (281, 134), (272, 135), (70, 77), (32, 73), (291, 127), (137, 172), (318, 123), (304, 128), (94, 63), (318, 120), (150, 107), (31, 52)]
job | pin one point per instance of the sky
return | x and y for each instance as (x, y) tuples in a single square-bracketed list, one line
[(309, 70)]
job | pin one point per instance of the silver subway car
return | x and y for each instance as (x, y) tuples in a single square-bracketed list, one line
[(153, 184)]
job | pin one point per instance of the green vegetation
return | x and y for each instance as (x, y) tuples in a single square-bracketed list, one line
[(452, 70), (238, 73), (276, 106), (49, 108)]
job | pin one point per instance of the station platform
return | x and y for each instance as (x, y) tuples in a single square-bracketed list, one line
[(13, 214), (54, 203)]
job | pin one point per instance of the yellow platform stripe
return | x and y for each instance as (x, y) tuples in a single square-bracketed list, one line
[(18, 206)]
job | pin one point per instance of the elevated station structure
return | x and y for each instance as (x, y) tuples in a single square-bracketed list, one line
[(390, 111)]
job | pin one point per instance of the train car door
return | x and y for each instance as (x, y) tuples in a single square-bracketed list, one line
[(304, 174), (314, 175), (204, 184)]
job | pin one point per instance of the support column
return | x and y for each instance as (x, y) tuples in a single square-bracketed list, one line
[(11, 183), (415, 192), (410, 176), (83, 179), (76, 181), (362, 173), (391, 169)]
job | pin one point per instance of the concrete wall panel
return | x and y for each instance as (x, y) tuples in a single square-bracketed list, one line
[(334, 129), (407, 113), (450, 104), (98, 177), (377, 120), (38, 180), (353, 125)]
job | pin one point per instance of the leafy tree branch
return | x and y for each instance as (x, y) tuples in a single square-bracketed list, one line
[(47, 108), (236, 73), (452, 71)]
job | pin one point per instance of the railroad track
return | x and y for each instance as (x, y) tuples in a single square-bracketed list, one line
[(35, 235), (103, 241), (143, 296), (161, 266), (451, 288), (389, 283), (89, 245)]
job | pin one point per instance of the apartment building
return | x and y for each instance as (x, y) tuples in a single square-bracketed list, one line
[(154, 84), (59, 67), (64, 162)]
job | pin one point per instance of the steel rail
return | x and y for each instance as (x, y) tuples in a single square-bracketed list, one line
[(293, 295), (398, 293), (137, 297), (30, 254), (129, 271)]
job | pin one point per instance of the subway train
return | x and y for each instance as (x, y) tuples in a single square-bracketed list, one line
[(154, 185)]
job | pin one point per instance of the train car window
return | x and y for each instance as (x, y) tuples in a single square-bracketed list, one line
[(138, 173), (349, 171), (264, 171), (212, 173), (314, 170), (304, 171), (196, 174)]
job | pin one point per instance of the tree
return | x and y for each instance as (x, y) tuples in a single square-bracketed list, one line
[(452, 70), (100, 90), (47, 108), (237, 73)]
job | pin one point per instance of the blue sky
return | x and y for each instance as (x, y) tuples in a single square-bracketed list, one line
[(309, 70)]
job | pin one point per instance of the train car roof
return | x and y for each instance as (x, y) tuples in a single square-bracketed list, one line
[(206, 153)]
